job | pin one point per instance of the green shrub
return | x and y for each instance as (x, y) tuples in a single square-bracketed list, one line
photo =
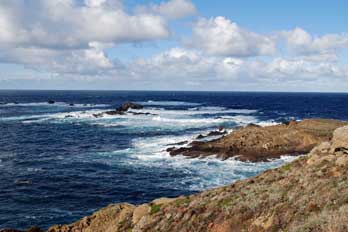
[(155, 208)]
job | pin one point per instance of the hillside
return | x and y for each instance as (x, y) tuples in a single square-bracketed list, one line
[(309, 194)]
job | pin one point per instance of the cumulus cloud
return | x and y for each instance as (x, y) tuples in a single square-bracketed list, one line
[(91, 61), (221, 36), (302, 69), (301, 42), (71, 35), (188, 65), (65, 24), (70, 39), (173, 9)]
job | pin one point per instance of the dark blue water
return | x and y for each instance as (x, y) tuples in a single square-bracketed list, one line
[(58, 163)]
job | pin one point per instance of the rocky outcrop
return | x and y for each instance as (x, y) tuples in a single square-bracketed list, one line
[(255, 143), (309, 194), (122, 110), (221, 131), (129, 105)]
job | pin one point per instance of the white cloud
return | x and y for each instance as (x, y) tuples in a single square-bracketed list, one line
[(70, 39), (92, 61), (65, 24), (172, 9), (95, 3), (70, 36), (302, 69), (220, 36), (301, 42), (187, 65)]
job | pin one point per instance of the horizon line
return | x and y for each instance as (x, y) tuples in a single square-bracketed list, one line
[(139, 90)]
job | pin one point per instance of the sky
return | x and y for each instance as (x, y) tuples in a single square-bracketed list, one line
[(239, 45)]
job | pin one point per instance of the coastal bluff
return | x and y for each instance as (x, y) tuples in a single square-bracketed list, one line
[(308, 194), (255, 143)]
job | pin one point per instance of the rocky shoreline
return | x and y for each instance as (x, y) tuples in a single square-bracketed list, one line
[(309, 194), (255, 143)]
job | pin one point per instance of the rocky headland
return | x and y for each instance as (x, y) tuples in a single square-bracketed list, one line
[(308, 194), (255, 143)]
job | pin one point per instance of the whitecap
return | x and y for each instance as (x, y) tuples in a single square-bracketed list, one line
[(56, 104), (168, 103), (201, 174)]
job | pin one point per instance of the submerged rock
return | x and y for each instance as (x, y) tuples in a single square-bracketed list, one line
[(299, 196), (255, 143), (23, 182)]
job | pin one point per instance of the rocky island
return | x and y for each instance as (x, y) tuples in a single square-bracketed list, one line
[(308, 194)]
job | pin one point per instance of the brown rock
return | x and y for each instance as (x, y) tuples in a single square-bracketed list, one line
[(340, 140), (254, 143), (140, 212)]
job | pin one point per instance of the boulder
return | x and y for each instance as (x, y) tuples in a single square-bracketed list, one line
[(340, 140), (129, 105)]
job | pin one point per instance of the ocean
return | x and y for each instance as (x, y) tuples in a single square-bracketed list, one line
[(59, 163)]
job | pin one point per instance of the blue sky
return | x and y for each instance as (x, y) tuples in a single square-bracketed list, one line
[(174, 45)]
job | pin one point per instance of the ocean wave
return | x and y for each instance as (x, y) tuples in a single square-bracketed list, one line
[(158, 120), (86, 114), (196, 111), (56, 104), (168, 103), (222, 109), (201, 174)]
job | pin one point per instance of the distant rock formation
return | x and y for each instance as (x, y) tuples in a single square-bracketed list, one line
[(122, 110), (255, 143)]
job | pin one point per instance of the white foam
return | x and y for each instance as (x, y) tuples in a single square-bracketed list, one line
[(200, 173), (56, 104), (168, 103), (222, 109), (194, 111), (88, 114)]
